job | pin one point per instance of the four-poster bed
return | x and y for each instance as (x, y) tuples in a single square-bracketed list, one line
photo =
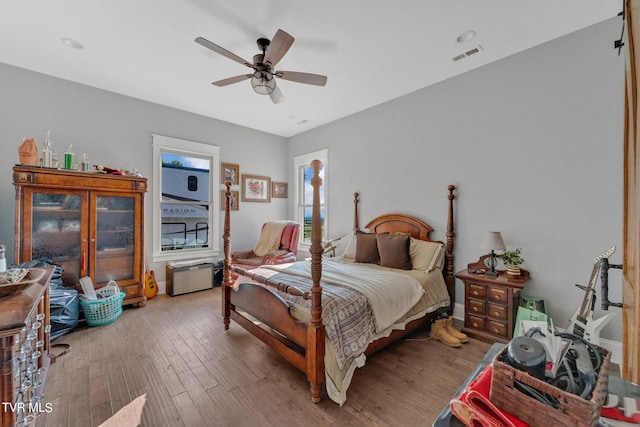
[(296, 309)]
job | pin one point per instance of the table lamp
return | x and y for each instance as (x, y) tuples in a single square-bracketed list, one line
[(492, 240)]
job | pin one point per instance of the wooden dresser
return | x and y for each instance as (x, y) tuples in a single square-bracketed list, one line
[(24, 343), (490, 302)]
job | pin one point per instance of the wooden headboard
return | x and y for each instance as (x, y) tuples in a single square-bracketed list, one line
[(401, 223)]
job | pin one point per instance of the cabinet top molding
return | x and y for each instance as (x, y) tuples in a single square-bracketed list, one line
[(25, 176)]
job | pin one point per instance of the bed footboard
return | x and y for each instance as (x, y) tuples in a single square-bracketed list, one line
[(270, 309), (267, 315)]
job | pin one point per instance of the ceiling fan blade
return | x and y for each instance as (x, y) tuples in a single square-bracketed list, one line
[(232, 80), (222, 51), (278, 47), (307, 78), (276, 96)]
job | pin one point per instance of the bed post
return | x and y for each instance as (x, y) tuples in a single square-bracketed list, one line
[(356, 221), (315, 331), (226, 237), (450, 279)]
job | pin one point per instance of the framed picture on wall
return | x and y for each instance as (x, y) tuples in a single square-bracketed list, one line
[(230, 172), (279, 190), (233, 201), (256, 188)]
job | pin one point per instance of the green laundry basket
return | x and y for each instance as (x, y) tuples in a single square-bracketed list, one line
[(106, 309)]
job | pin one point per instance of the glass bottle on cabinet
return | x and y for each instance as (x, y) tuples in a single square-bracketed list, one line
[(91, 224)]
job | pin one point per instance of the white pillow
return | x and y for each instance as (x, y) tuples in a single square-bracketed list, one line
[(438, 259), (350, 250), (424, 255)]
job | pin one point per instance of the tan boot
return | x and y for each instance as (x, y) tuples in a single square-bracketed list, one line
[(439, 332), (448, 326)]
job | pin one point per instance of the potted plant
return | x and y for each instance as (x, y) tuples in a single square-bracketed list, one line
[(512, 260)]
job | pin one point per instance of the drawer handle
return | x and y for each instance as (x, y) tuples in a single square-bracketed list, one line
[(496, 330), (475, 325), (475, 309), (496, 297), (475, 292), (496, 313)]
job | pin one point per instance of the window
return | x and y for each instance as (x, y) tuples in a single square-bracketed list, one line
[(185, 175), (304, 193)]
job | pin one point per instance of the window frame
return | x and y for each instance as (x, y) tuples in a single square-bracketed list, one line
[(300, 162), (165, 144)]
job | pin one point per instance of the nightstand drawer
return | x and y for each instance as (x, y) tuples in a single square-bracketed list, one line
[(475, 290), (497, 328), (475, 306), (497, 310), (497, 294), (474, 322)]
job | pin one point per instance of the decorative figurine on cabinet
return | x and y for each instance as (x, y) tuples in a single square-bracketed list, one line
[(28, 152)]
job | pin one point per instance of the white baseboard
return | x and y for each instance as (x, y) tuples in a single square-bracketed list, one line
[(162, 287), (615, 347), (458, 311)]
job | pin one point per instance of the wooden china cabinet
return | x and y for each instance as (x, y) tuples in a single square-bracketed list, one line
[(90, 223)]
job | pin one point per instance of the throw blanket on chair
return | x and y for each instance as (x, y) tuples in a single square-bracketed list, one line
[(270, 237)]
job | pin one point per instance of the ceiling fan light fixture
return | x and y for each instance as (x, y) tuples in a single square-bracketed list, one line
[(263, 78), (263, 83)]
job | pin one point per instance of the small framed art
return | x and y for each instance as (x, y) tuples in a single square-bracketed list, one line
[(230, 172), (233, 200), (279, 190), (256, 188)]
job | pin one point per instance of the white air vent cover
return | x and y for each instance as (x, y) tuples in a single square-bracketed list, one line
[(467, 53)]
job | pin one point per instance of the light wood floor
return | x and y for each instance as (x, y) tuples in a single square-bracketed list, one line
[(172, 364)]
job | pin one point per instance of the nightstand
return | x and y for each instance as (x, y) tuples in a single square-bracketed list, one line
[(490, 302)]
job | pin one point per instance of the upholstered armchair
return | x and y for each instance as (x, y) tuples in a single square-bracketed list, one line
[(278, 244)]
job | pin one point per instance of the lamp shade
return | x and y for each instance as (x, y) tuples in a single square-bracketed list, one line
[(263, 83), (492, 240)]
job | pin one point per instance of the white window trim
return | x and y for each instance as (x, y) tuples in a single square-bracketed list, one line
[(305, 160), (162, 144)]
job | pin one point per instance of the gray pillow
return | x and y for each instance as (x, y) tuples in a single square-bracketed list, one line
[(367, 248), (394, 250)]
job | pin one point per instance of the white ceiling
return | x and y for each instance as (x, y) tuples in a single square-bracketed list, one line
[(371, 50)]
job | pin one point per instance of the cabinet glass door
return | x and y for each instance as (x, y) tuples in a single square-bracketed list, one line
[(56, 231), (114, 238)]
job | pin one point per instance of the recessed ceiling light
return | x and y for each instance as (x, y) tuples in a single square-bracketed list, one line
[(466, 36), (72, 43)]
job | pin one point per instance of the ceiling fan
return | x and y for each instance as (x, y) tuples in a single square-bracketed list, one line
[(263, 77)]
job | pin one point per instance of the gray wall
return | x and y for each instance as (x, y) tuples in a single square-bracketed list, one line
[(532, 142), (115, 131)]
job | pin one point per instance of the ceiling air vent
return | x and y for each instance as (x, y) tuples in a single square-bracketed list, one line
[(467, 53)]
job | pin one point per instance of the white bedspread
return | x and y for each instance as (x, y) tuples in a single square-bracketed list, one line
[(376, 286)]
